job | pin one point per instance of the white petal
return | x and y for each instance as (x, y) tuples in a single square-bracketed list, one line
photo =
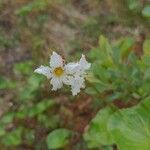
[(56, 83), (65, 80), (72, 68), (84, 64), (44, 70), (56, 60), (76, 84)]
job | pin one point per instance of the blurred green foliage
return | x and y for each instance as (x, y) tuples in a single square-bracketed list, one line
[(128, 128), (6, 83), (58, 138), (97, 134), (146, 11), (137, 7), (28, 107), (119, 77), (117, 73), (36, 5)]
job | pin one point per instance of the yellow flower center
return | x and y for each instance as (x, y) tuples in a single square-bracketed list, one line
[(58, 71)]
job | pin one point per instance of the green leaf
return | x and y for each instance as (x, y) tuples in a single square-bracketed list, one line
[(146, 47), (125, 46), (23, 67), (40, 107), (34, 81), (134, 5), (58, 138), (147, 74), (25, 10), (146, 11), (91, 91), (94, 53), (49, 121), (130, 127), (13, 138), (2, 130), (22, 113), (26, 94), (97, 133), (104, 45), (146, 60), (35, 110), (107, 147), (6, 83), (28, 8), (6, 119), (30, 90)]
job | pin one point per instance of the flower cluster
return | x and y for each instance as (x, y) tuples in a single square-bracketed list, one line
[(59, 73)]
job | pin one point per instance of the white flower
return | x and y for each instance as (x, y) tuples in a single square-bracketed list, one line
[(84, 65), (79, 72), (76, 82), (79, 68), (56, 72), (71, 74)]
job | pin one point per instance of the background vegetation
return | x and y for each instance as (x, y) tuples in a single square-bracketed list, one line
[(32, 117)]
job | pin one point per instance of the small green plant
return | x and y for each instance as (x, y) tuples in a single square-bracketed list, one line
[(117, 73), (127, 128), (118, 78), (35, 5)]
